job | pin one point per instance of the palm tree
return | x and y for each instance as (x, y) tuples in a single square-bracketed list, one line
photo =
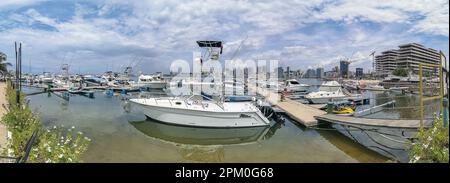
[(3, 64)]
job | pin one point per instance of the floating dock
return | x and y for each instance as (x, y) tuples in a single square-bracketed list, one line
[(390, 123), (302, 113)]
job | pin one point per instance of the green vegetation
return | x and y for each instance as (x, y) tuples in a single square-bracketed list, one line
[(3, 63), (431, 145), (400, 72), (53, 145)]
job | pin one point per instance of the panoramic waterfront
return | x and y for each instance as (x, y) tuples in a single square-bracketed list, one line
[(121, 133)]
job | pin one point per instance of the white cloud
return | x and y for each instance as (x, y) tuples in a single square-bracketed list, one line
[(161, 31), (435, 22), (435, 13), (18, 3)]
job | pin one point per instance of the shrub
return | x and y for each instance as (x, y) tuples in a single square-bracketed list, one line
[(431, 145), (53, 145)]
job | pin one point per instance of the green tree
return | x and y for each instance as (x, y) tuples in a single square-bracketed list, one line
[(400, 72)]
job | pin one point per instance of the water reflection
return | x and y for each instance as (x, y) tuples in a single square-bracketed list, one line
[(200, 136), (354, 150), (204, 144)]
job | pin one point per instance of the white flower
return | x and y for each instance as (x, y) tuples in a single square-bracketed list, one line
[(70, 159), (81, 133), (88, 139), (61, 156), (54, 127), (49, 149)]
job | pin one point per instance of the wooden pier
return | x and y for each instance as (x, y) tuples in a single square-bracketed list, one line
[(302, 113), (390, 123)]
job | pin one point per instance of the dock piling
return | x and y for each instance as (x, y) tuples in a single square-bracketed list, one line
[(330, 107)]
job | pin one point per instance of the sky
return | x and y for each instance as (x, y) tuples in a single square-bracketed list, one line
[(94, 36)]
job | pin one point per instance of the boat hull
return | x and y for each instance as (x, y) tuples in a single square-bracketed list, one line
[(208, 119), (323, 100), (156, 85), (297, 88)]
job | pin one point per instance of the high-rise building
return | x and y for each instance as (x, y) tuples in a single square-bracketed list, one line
[(280, 72), (310, 73), (320, 72), (359, 72), (288, 73), (343, 68), (408, 57), (386, 62)]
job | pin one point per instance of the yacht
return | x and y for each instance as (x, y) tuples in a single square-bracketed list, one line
[(150, 82), (292, 85), (328, 91), (45, 78), (201, 113), (108, 78)]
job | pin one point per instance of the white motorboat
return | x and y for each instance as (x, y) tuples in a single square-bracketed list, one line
[(328, 91), (150, 82), (199, 113), (45, 78), (330, 86), (108, 78), (293, 85)]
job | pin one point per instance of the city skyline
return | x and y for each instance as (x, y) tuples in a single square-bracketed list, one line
[(95, 36)]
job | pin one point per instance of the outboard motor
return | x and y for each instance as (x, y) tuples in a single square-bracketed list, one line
[(265, 108)]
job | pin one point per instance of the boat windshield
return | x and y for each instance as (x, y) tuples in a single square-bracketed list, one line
[(294, 82)]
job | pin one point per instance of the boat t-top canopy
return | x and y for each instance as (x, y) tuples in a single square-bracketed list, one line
[(216, 44), (212, 48)]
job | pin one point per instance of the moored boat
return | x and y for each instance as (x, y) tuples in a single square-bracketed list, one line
[(292, 85), (200, 113), (329, 91)]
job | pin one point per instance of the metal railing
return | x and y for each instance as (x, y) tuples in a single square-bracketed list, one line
[(27, 150), (421, 84)]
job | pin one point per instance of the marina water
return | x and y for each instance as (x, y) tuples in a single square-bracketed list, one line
[(120, 133)]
